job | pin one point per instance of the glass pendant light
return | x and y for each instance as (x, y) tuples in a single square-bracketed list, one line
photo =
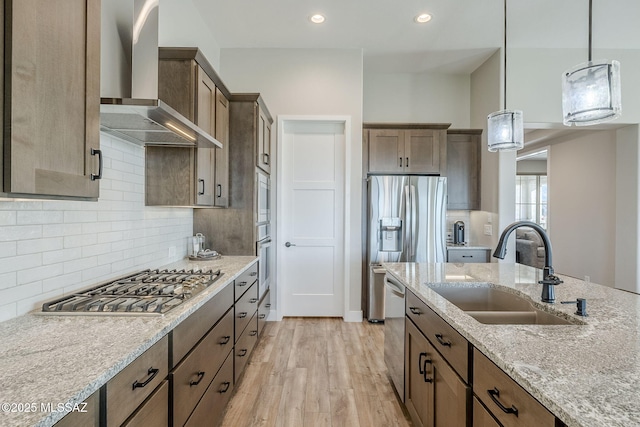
[(591, 91), (505, 128)]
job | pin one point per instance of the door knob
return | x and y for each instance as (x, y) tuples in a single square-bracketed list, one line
[(289, 244)]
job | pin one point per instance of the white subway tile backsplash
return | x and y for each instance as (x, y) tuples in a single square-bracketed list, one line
[(39, 273), (8, 218), (39, 217), (54, 257), (8, 311), (17, 232), (20, 262), (8, 280), (59, 283), (8, 249), (49, 248), (61, 230), (39, 245)]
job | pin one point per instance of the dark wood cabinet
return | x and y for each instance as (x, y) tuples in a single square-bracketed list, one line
[(463, 168), (435, 395), (233, 230), (436, 369), (405, 148), (88, 417), (190, 176), (50, 111), (153, 412)]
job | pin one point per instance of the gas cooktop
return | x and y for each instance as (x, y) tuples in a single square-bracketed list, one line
[(150, 292)]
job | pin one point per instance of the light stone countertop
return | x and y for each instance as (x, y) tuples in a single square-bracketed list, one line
[(586, 374), (65, 358)]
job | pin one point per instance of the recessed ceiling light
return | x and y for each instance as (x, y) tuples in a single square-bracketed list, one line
[(317, 18), (422, 18)]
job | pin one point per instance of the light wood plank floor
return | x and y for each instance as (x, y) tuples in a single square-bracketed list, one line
[(316, 372)]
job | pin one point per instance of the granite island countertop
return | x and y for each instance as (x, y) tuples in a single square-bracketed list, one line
[(586, 374), (65, 358)]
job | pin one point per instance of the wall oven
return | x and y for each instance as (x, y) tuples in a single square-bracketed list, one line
[(263, 235)]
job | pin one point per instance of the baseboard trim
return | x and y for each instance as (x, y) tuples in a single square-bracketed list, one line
[(353, 316)]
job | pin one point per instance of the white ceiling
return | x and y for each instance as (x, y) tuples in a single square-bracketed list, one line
[(461, 35)]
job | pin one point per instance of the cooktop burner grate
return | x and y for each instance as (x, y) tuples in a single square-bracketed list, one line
[(151, 292)]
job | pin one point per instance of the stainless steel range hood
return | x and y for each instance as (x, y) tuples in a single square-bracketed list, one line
[(129, 104)]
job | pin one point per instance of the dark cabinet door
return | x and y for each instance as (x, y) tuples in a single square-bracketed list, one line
[(51, 98)]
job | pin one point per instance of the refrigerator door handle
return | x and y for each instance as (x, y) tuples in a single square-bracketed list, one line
[(413, 222), (408, 243)]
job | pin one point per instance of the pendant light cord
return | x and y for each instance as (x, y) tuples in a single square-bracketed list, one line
[(590, 25), (505, 54)]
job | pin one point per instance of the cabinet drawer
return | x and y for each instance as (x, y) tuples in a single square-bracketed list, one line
[(189, 332), (245, 280), (487, 377), (210, 409), (127, 390), (246, 307), (482, 417), (263, 311), (90, 418), (453, 346), (468, 255), (194, 374), (154, 412), (244, 347)]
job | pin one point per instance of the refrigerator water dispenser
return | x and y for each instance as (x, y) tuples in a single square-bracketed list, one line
[(390, 235)]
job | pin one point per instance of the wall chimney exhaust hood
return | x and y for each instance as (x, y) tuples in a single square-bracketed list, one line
[(129, 104)]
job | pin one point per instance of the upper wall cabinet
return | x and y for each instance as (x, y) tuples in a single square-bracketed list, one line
[(463, 168), (188, 83), (51, 105), (406, 148)]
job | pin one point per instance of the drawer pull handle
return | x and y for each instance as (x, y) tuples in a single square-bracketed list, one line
[(200, 377), (424, 372), (253, 300), (242, 315), (253, 333), (225, 387), (242, 352), (443, 342), (253, 273), (267, 305), (225, 340), (152, 372), (467, 256), (415, 311), (242, 284), (420, 364), (494, 395), (262, 316)]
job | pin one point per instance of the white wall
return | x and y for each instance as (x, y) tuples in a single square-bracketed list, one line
[(535, 81), (50, 248), (181, 25), (417, 98), (582, 206), (627, 235), (532, 167), (309, 82), (498, 169)]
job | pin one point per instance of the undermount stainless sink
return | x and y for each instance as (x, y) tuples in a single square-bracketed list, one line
[(492, 306)]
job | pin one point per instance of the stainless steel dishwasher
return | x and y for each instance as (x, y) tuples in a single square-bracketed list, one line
[(394, 332)]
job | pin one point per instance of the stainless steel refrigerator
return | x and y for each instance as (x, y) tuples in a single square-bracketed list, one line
[(406, 223)]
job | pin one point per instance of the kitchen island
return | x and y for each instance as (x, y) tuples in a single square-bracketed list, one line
[(52, 360), (586, 373)]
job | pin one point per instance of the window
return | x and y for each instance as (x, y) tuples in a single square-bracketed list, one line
[(531, 199)]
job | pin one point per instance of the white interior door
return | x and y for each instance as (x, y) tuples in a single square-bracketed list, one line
[(311, 277)]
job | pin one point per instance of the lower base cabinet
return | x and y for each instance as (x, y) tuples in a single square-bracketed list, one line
[(435, 395), (154, 412), (212, 405), (90, 417), (482, 417)]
